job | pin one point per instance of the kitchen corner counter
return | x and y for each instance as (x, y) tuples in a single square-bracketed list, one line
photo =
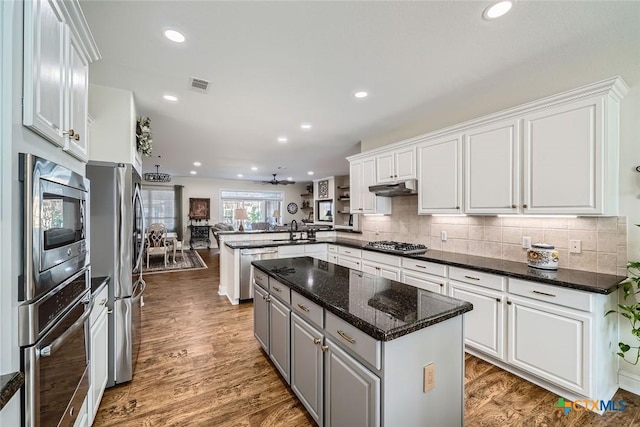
[(97, 283), (363, 300), (9, 386)]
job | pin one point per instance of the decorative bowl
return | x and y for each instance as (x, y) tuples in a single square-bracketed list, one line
[(543, 256)]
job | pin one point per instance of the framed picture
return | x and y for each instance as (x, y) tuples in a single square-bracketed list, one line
[(323, 189), (199, 208)]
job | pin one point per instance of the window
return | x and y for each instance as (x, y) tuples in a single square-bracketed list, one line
[(160, 206), (260, 206)]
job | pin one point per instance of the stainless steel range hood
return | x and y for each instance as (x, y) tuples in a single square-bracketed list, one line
[(402, 188)]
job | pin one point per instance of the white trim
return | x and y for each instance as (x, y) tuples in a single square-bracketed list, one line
[(629, 381), (614, 86)]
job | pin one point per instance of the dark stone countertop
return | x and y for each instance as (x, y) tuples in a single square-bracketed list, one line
[(575, 279), (9, 386), (382, 308), (98, 282)]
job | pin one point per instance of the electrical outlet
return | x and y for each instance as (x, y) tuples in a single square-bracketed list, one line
[(429, 377), (443, 236), (526, 242), (575, 246)]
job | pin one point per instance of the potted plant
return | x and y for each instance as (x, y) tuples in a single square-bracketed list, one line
[(630, 287)]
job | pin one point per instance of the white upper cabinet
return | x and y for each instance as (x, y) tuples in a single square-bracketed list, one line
[(396, 165), (58, 47), (569, 160), (440, 175), (362, 174), (492, 168)]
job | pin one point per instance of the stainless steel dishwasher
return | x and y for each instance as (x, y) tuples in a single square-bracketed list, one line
[(246, 277)]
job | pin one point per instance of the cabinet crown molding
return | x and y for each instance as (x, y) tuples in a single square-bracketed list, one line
[(615, 87), (74, 17)]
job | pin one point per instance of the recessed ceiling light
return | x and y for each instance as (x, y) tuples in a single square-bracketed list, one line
[(361, 94), (282, 139), (197, 164), (253, 168), (305, 126), (193, 172), (240, 175), (497, 9), (310, 173), (290, 178), (174, 36), (170, 98)]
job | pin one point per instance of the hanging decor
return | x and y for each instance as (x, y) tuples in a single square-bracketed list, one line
[(143, 136), (157, 176)]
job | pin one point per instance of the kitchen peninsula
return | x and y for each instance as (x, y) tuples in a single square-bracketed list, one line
[(359, 349)]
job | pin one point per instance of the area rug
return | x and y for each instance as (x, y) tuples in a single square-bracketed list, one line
[(191, 260)]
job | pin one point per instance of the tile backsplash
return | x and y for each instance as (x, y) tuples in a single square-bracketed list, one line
[(603, 239)]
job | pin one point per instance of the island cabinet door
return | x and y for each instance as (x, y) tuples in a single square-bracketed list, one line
[(352, 392), (279, 337), (261, 316), (307, 366)]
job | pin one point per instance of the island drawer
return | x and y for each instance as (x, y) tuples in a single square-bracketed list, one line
[(353, 338), (332, 249), (279, 290), (260, 278), (392, 260), (425, 267), (342, 250), (554, 294), (477, 278), (99, 303), (307, 308)]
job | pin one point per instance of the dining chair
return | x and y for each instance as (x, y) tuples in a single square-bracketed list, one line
[(180, 244), (157, 241)]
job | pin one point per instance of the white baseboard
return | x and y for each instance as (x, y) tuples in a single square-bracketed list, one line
[(629, 381)]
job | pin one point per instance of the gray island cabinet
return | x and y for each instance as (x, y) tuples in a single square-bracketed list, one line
[(361, 350)]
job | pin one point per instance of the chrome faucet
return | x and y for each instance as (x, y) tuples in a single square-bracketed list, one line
[(292, 228)]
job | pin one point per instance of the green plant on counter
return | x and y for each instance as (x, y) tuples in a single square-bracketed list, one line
[(630, 287)]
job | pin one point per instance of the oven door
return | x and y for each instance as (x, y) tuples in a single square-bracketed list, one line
[(56, 369)]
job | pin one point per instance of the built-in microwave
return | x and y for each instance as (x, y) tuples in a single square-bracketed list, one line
[(55, 225)]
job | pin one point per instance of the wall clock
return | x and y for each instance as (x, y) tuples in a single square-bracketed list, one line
[(323, 189), (292, 208)]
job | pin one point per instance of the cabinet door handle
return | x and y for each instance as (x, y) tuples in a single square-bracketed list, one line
[(76, 137), (317, 341), (513, 206), (508, 302), (70, 132), (544, 293), (472, 278), (277, 289), (525, 206), (103, 301), (268, 299), (390, 176), (324, 348), (303, 307), (346, 337), (498, 300), (442, 285), (457, 207)]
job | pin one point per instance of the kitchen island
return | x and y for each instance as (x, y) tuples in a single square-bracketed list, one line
[(359, 349)]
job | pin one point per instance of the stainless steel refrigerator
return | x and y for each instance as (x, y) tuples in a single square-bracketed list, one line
[(117, 243)]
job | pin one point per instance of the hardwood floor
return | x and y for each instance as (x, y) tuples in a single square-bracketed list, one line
[(199, 365)]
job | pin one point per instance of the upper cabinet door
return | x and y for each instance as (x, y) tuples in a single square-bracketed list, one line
[(492, 168), (44, 70), (369, 200), (564, 159), (77, 107), (440, 175), (355, 182), (405, 161), (385, 169)]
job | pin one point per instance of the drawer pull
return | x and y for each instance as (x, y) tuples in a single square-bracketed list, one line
[(324, 348), (103, 301), (544, 293), (421, 266), (347, 252), (508, 302), (303, 307), (268, 299), (498, 300), (472, 278), (277, 289), (346, 337), (317, 341)]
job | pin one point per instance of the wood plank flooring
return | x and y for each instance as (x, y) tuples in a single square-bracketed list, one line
[(199, 365)]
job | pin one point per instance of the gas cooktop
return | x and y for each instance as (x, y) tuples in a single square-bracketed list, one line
[(398, 247)]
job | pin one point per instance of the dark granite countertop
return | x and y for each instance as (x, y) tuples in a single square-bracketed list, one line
[(575, 279), (382, 308), (9, 386), (98, 282)]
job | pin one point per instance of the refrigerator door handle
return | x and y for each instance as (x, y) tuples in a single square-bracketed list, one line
[(137, 197), (139, 284)]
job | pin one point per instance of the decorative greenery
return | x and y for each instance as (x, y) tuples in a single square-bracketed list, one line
[(630, 287), (143, 136)]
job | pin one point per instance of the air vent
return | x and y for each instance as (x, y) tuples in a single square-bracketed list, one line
[(199, 85)]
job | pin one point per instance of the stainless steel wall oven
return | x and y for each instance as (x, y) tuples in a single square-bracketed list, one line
[(56, 215)]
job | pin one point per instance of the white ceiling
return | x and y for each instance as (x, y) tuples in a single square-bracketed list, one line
[(274, 65)]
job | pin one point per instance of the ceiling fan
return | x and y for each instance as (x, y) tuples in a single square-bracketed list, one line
[(275, 181)]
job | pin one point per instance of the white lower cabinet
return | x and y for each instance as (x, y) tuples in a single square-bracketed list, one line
[(307, 366), (98, 354), (279, 336), (425, 281), (261, 316), (551, 342), (484, 325), (352, 392), (382, 265)]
